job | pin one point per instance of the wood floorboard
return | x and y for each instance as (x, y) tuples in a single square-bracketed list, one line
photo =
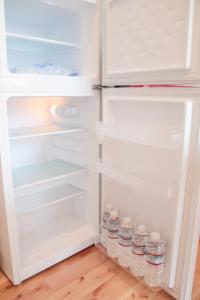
[(88, 275), (196, 286)]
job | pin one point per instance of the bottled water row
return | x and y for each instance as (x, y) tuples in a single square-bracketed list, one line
[(134, 247)]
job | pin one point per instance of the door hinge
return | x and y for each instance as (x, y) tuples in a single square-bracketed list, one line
[(97, 87)]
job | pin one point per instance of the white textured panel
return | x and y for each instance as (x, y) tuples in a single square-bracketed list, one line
[(150, 38), (147, 34)]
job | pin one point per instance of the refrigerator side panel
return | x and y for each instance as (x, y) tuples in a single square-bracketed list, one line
[(9, 258), (2, 39), (189, 241)]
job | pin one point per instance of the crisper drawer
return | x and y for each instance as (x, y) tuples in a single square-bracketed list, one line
[(148, 138), (53, 230)]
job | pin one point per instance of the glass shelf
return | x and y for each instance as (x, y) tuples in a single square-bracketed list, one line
[(28, 132), (43, 172), (45, 198), (40, 40)]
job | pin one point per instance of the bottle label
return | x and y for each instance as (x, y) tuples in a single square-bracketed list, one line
[(113, 229), (125, 237), (139, 250), (113, 233), (124, 242), (155, 259)]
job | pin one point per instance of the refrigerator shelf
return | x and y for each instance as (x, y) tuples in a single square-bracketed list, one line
[(40, 40), (28, 132), (47, 85), (45, 198), (157, 139), (69, 237), (146, 185), (75, 6), (43, 172)]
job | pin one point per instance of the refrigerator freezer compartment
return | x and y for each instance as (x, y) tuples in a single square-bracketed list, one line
[(47, 197), (43, 172), (50, 38), (148, 186), (36, 131), (147, 138)]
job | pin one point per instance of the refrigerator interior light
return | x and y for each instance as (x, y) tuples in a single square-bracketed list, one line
[(65, 110)]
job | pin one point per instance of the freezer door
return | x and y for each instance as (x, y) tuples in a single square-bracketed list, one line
[(150, 169), (151, 41)]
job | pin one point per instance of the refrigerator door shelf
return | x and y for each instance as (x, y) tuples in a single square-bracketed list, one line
[(161, 140), (100, 246), (139, 183)]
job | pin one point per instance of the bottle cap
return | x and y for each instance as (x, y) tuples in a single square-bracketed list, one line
[(109, 206), (155, 236), (141, 228), (114, 214), (126, 220)]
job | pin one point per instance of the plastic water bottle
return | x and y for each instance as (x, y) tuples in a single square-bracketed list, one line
[(112, 234), (155, 260), (104, 226), (137, 257), (125, 241)]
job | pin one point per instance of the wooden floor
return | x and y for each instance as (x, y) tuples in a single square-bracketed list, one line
[(88, 275)]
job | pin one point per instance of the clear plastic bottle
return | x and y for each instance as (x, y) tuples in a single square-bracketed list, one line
[(112, 234), (125, 241), (104, 223), (155, 260), (137, 256)]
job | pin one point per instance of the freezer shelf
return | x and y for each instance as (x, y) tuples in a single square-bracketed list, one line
[(28, 132), (45, 198), (46, 84), (158, 140), (69, 237), (146, 185), (40, 40), (43, 172)]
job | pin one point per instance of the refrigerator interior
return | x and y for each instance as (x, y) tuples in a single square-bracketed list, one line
[(141, 166), (52, 37), (53, 151)]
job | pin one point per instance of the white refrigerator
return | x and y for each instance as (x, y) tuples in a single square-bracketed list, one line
[(99, 103)]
